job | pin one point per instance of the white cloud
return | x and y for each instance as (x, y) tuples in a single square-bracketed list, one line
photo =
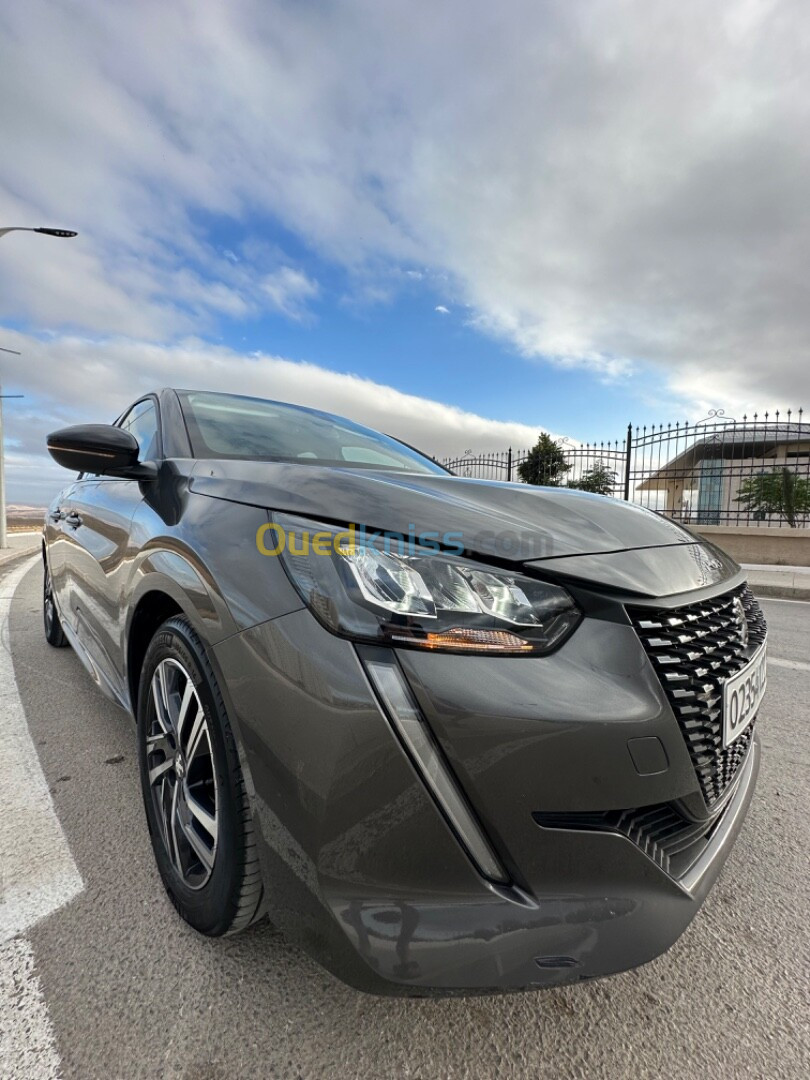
[(612, 183), (442, 310), (74, 380), (288, 291)]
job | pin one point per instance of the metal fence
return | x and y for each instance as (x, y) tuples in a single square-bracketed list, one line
[(719, 471)]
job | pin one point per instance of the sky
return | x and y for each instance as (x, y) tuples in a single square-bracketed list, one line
[(462, 223)]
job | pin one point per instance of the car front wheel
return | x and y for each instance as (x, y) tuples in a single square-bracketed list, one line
[(193, 789)]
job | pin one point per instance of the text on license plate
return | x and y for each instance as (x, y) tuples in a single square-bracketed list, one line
[(742, 694)]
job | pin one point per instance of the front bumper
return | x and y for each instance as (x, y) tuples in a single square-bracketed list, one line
[(363, 870)]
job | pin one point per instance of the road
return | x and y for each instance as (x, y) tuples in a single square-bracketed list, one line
[(113, 984)]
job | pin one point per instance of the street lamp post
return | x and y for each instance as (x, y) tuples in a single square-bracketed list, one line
[(65, 234), (3, 536)]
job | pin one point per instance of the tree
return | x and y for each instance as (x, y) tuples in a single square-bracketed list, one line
[(599, 479), (778, 492), (545, 463)]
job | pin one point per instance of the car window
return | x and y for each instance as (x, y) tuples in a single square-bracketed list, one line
[(368, 455), (142, 422), (230, 426)]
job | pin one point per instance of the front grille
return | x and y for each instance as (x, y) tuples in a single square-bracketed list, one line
[(694, 649), (664, 835)]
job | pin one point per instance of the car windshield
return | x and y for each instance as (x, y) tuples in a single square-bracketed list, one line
[(231, 426)]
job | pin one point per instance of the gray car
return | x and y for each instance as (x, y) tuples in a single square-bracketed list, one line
[(451, 735)]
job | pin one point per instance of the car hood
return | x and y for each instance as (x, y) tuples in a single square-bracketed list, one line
[(513, 522)]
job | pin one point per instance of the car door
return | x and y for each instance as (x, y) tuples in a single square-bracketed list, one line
[(55, 543), (97, 523)]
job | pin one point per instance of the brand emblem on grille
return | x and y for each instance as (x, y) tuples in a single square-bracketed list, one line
[(741, 620)]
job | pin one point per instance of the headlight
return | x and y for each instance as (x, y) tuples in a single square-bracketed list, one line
[(399, 594)]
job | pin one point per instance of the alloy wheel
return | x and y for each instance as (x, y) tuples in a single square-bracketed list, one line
[(49, 611), (182, 777)]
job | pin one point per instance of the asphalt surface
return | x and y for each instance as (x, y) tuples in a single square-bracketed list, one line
[(124, 989)]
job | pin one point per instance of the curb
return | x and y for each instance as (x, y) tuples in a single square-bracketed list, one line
[(779, 592), (9, 558)]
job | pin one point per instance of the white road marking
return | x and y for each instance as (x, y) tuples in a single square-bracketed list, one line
[(794, 665), (27, 1043), (37, 871)]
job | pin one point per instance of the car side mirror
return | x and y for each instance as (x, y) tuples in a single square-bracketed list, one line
[(99, 449)]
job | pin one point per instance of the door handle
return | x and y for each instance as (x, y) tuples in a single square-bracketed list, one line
[(56, 515), (73, 519)]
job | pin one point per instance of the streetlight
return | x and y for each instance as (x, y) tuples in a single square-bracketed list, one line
[(3, 537), (65, 234), (45, 232)]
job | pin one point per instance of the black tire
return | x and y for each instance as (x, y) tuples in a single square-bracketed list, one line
[(54, 634), (210, 871)]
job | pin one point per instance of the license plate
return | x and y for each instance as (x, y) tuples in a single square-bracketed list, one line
[(742, 694)]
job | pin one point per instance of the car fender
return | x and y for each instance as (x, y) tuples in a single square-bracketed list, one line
[(181, 576)]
